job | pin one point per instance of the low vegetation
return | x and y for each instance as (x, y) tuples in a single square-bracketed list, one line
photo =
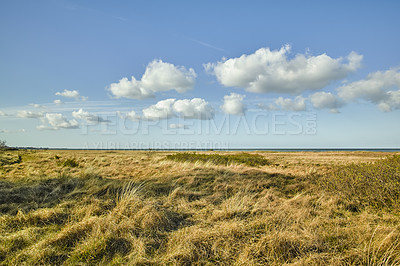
[(9, 158), (220, 159), (203, 208), (3, 145), (373, 184), (68, 163)]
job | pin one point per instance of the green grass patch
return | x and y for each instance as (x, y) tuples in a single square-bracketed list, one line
[(220, 159), (69, 163)]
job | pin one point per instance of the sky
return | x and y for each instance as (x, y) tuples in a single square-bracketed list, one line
[(200, 74)]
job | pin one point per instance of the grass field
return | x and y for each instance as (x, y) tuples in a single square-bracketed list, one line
[(202, 208)]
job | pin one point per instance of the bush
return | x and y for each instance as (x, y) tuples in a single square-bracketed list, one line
[(3, 144), (69, 163), (367, 184), (220, 159)]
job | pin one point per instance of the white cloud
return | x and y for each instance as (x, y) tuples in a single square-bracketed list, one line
[(175, 126), (37, 105), (71, 94), (84, 115), (58, 102), (326, 100), (391, 102), (161, 76), (130, 115), (29, 114), (268, 107), (233, 104), (287, 104), (195, 108), (161, 110), (377, 88), (56, 121), (131, 89), (271, 71), (3, 114), (120, 115), (158, 76)]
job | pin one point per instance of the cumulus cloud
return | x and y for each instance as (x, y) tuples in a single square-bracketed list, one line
[(58, 102), (326, 100), (377, 87), (92, 118), (161, 76), (37, 105), (391, 101), (272, 71), (56, 121), (158, 76), (195, 108), (233, 104), (29, 114), (287, 104), (268, 107), (71, 94), (68, 94), (161, 110), (3, 114), (132, 116), (131, 89)]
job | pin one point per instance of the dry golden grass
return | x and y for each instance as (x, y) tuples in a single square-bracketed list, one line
[(138, 208)]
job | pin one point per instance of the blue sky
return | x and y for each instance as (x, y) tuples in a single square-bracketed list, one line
[(200, 74)]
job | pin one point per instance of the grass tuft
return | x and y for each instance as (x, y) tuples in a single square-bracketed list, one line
[(69, 163)]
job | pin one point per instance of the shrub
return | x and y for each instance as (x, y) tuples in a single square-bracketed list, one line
[(3, 144), (69, 163), (367, 184), (221, 159)]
